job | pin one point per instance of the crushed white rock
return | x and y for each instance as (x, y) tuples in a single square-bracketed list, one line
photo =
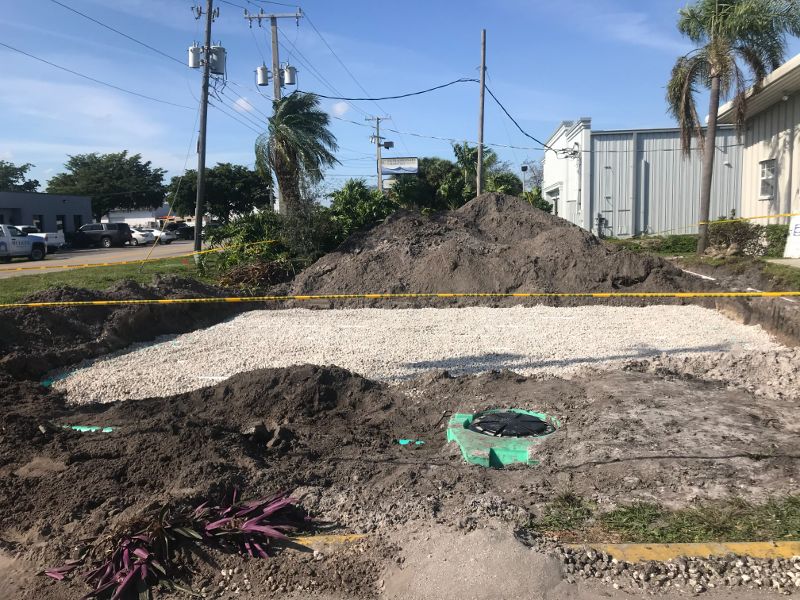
[(397, 344)]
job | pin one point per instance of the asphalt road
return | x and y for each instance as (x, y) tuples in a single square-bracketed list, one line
[(55, 262)]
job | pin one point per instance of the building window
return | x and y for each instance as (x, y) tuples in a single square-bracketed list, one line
[(60, 222), (2, 219), (768, 179), (77, 221), (38, 222)]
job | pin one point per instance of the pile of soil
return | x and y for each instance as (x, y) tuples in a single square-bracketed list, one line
[(493, 244), (35, 341), (331, 435)]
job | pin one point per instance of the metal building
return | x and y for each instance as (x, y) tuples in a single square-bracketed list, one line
[(49, 212), (771, 152), (636, 182)]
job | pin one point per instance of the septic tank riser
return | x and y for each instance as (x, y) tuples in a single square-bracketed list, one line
[(495, 452)]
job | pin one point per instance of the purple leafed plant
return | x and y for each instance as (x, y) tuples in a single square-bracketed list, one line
[(125, 564)]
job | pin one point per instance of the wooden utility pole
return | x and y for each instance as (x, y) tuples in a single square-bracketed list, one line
[(277, 79), (199, 208), (479, 183), (378, 146)]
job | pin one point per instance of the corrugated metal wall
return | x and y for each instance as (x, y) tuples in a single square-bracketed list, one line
[(656, 189)]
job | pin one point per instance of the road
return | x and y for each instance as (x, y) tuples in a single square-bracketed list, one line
[(55, 262)]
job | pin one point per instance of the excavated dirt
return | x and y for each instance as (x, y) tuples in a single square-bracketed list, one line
[(495, 243), (331, 435), (35, 341)]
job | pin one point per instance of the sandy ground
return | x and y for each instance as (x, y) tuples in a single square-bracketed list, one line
[(396, 345), (55, 262)]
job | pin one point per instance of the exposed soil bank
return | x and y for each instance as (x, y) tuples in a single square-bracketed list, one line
[(627, 436), (37, 340)]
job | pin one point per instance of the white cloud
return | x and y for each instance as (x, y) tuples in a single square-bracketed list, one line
[(243, 105), (340, 109)]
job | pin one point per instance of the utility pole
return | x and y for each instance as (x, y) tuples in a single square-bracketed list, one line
[(199, 207), (379, 144), (479, 183), (277, 77)]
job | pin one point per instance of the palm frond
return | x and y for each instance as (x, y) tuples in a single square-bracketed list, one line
[(687, 73)]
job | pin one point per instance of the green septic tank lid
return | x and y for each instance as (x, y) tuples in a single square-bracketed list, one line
[(501, 437)]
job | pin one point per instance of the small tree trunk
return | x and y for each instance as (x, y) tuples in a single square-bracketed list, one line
[(709, 152)]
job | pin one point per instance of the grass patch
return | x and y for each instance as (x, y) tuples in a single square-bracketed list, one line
[(785, 277), (722, 521), (669, 245), (15, 289)]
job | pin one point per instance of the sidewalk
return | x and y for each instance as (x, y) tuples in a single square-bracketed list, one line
[(789, 262)]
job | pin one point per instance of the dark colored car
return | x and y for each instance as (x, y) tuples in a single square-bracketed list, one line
[(104, 234), (182, 230)]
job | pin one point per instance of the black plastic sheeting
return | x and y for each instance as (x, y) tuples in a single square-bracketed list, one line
[(509, 424)]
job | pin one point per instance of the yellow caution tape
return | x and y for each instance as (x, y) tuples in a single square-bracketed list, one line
[(341, 538), (243, 299), (749, 218), (137, 261)]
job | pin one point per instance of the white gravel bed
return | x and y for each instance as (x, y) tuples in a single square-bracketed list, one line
[(397, 344)]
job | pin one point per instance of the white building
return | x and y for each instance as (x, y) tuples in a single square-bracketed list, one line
[(771, 158), (636, 181), (138, 218)]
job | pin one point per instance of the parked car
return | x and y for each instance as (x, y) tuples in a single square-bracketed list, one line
[(162, 237), (181, 230), (16, 243), (104, 234), (141, 237), (54, 241)]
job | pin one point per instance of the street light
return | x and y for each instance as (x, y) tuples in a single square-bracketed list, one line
[(524, 170)]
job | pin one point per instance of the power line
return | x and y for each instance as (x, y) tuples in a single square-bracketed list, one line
[(105, 83), (321, 78), (514, 121), (408, 95), (117, 31), (350, 73), (244, 123)]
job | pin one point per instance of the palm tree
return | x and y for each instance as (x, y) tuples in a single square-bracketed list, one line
[(728, 33), (467, 162), (296, 147)]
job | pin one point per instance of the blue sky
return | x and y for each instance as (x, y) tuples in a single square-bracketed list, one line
[(547, 61)]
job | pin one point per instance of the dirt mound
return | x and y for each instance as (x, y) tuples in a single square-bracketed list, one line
[(332, 435), (35, 341), (494, 243)]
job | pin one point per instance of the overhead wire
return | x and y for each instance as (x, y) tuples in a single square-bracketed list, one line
[(348, 71), (93, 79), (399, 96), (117, 31)]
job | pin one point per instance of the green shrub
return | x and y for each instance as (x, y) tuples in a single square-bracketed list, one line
[(679, 244), (775, 238), (743, 234)]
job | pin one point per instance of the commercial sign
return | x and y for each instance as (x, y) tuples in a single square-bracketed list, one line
[(793, 241), (399, 166)]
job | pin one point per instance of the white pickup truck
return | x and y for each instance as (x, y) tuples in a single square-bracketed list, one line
[(54, 241), (16, 243)]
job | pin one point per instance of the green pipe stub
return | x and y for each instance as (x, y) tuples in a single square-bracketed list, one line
[(496, 452)]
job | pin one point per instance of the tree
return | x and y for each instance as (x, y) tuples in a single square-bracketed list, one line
[(297, 146), (113, 181), (504, 182), (231, 190), (13, 178), (729, 34), (535, 199), (354, 206), (467, 162)]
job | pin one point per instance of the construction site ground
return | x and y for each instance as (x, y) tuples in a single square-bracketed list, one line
[(675, 403)]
